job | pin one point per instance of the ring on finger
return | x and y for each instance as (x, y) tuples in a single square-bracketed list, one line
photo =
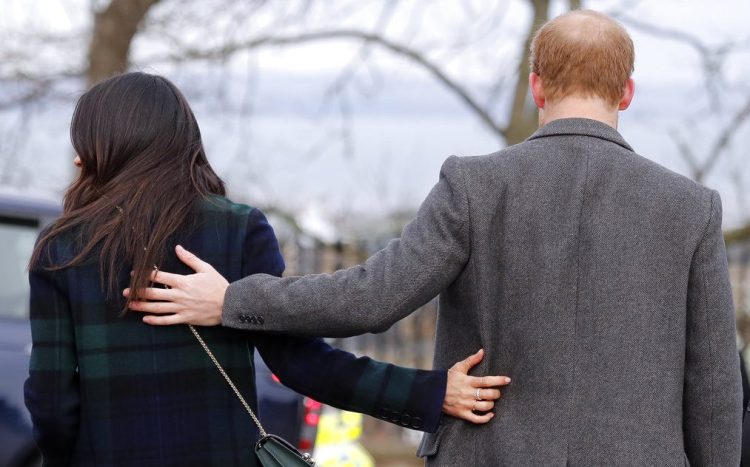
[(478, 395)]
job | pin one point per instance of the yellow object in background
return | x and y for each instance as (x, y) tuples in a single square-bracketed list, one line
[(337, 442)]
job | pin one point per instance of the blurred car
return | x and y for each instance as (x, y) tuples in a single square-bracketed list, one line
[(283, 411), (21, 218)]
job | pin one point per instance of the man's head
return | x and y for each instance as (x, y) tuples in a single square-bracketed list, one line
[(585, 55)]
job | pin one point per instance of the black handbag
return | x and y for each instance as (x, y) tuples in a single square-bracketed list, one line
[(270, 450)]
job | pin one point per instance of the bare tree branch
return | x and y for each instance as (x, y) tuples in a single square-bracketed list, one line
[(685, 151), (350, 70), (723, 140), (667, 33), (712, 58), (194, 54)]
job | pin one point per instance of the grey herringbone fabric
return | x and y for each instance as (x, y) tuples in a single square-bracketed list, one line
[(596, 279)]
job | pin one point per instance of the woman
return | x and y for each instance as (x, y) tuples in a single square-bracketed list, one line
[(106, 389)]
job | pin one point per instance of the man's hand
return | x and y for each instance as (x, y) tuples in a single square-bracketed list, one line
[(472, 397), (194, 299)]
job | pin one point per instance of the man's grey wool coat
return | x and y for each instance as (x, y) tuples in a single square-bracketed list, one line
[(593, 277)]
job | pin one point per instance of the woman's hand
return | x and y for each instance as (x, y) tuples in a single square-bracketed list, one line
[(467, 395)]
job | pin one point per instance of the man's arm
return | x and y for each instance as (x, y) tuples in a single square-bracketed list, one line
[(52, 389), (712, 399), (432, 251), (404, 396), (410, 271)]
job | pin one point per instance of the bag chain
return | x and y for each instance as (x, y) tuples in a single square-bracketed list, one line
[(263, 433)]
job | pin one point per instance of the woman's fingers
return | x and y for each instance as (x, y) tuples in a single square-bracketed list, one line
[(483, 406), (477, 419), (469, 362), (487, 394), (488, 381), (472, 398)]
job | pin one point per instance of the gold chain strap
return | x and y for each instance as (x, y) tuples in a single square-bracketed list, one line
[(203, 344), (263, 433)]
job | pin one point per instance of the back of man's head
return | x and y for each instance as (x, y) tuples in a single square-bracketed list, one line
[(585, 54)]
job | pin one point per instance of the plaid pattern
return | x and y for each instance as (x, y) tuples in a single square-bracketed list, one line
[(106, 389)]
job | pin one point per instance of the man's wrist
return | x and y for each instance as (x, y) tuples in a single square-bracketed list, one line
[(222, 302)]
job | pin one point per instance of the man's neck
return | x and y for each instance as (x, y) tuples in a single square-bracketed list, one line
[(579, 107)]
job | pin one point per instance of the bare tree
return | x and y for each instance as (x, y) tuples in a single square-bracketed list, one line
[(114, 29), (242, 27), (712, 60)]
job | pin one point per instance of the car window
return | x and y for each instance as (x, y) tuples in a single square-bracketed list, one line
[(17, 244)]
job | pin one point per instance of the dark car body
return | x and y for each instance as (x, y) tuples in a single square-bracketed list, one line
[(21, 219), (284, 412)]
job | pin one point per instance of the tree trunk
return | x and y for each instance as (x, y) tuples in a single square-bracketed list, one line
[(523, 118), (114, 29)]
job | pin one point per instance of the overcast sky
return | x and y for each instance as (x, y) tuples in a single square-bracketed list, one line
[(405, 124)]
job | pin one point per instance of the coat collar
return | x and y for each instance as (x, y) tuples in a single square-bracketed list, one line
[(582, 127)]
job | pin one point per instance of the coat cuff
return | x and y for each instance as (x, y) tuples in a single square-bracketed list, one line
[(420, 407), (236, 313)]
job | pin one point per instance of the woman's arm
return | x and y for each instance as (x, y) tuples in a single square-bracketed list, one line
[(295, 359), (407, 397), (52, 390)]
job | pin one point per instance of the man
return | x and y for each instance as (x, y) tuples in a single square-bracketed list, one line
[(596, 279)]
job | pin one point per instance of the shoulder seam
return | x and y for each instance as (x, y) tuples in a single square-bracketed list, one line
[(706, 229)]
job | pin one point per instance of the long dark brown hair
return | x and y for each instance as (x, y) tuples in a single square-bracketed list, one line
[(143, 169)]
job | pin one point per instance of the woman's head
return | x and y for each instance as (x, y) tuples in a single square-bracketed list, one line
[(142, 168), (135, 126)]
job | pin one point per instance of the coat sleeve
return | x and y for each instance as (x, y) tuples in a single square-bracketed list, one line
[(432, 251), (407, 397), (52, 388), (712, 398)]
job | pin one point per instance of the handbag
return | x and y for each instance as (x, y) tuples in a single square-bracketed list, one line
[(270, 450)]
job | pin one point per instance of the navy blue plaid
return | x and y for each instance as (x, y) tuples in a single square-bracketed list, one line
[(106, 389)]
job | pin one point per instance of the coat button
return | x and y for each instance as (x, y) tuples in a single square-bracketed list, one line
[(416, 423), (405, 419)]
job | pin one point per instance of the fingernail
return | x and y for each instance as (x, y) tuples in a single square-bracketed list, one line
[(507, 380), (179, 248), (126, 292), (132, 273)]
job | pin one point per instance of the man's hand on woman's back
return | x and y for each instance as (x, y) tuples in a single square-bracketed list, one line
[(192, 299)]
